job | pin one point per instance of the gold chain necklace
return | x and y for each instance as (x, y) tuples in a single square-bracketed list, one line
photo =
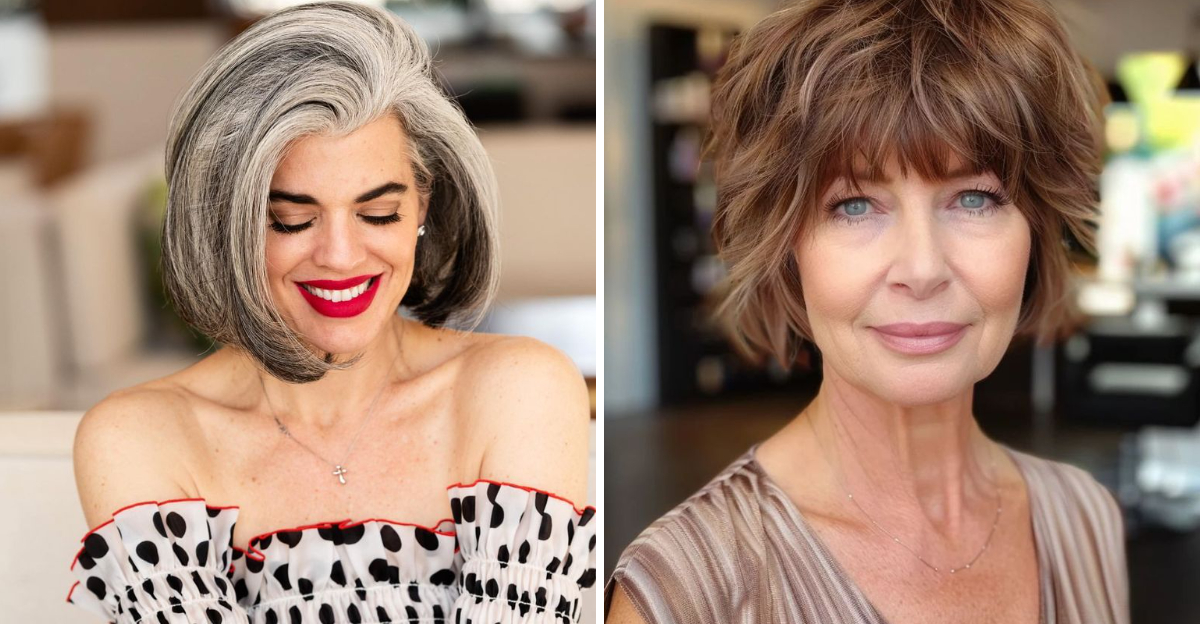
[(849, 495)]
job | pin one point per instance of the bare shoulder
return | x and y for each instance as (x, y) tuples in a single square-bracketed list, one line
[(532, 408), (127, 450)]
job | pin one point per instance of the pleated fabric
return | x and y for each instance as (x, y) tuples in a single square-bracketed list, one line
[(739, 550)]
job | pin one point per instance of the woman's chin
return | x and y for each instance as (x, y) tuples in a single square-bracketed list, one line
[(906, 389)]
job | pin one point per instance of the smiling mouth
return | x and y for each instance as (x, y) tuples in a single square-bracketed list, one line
[(345, 294)]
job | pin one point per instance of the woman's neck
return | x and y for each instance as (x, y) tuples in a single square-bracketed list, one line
[(341, 397), (931, 465)]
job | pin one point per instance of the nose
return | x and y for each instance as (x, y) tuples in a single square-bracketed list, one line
[(919, 265), (340, 246)]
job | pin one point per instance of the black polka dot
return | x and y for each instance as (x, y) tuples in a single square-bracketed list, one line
[(176, 523), (214, 616), (148, 587), (95, 546), (554, 563), (592, 543), (382, 614), (456, 509), (291, 538), (567, 563), (352, 615), (253, 564), (588, 578), (539, 502), (86, 561), (547, 527), (305, 586), (180, 554), (502, 554), (240, 591), (212, 512), (96, 586), (281, 575), (325, 613), (222, 586), (468, 509), (390, 538), (352, 534), (570, 532), (133, 613), (438, 614), (379, 570), (497, 516), (265, 543), (294, 615), (158, 524), (492, 588), (175, 584), (271, 617), (337, 574), (330, 534), (493, 490), (162, 618), (414, 593), (199, 582), (202, 553), (523, 552), (586, 516), (426, 538), (413, 617), (443, 576)]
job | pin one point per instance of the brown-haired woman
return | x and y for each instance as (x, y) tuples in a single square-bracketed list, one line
[(896, 179)]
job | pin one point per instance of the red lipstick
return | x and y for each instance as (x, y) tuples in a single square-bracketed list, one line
[(340, 309)]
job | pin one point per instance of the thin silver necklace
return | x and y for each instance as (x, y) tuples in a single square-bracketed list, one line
[(952, 570), (339, 469)]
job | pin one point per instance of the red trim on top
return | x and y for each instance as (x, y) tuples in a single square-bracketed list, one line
[(72, 591), (577, 509), (159, 503), (341, 524)]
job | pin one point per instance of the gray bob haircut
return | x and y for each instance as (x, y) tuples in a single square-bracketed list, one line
[(317, 69)]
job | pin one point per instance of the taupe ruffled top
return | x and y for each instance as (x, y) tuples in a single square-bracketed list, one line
[(740, 551)]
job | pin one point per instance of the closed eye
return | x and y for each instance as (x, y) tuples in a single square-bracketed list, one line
[(283, 228)]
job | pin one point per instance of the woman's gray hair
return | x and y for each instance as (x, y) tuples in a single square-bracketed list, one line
[(327, 68)]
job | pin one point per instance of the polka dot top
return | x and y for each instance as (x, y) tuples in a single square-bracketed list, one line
[(510, 554)]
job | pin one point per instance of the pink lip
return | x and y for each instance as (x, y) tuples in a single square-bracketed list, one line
[(920, 338), (340, 309)]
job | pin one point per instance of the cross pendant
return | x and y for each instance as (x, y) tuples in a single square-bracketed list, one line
[(339, 472)]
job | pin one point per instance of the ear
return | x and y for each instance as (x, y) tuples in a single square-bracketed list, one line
[(422, 207)]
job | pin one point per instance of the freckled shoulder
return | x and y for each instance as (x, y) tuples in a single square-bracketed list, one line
[(131, 447), (531, 409)]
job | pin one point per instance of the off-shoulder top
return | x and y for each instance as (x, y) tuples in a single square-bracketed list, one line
[(509, 554)]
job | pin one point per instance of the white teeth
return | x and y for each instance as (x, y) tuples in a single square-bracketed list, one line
[(338, 296)]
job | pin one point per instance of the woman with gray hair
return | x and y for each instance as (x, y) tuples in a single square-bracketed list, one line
[(318, 181)]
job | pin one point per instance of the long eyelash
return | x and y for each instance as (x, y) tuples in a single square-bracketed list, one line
[(290, 229), (392, 218)]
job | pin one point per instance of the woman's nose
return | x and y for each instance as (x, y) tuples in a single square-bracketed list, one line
[(919, 264), (340, 246)]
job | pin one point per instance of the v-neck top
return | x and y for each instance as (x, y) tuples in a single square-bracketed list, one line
[(509, 554), (739, 550)]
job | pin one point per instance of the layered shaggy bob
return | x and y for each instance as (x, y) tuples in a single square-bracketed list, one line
[(329, 69), (824, 84)]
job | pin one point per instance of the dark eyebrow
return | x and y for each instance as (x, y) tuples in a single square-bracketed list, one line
[(294, 198)]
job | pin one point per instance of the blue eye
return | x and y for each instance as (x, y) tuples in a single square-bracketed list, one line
[(856, 207), (973, 200)]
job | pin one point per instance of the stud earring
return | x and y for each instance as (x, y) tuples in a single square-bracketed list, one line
[(421, 231)]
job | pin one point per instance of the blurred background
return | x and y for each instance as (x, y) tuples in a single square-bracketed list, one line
[(86, 89), (1120, 397)]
